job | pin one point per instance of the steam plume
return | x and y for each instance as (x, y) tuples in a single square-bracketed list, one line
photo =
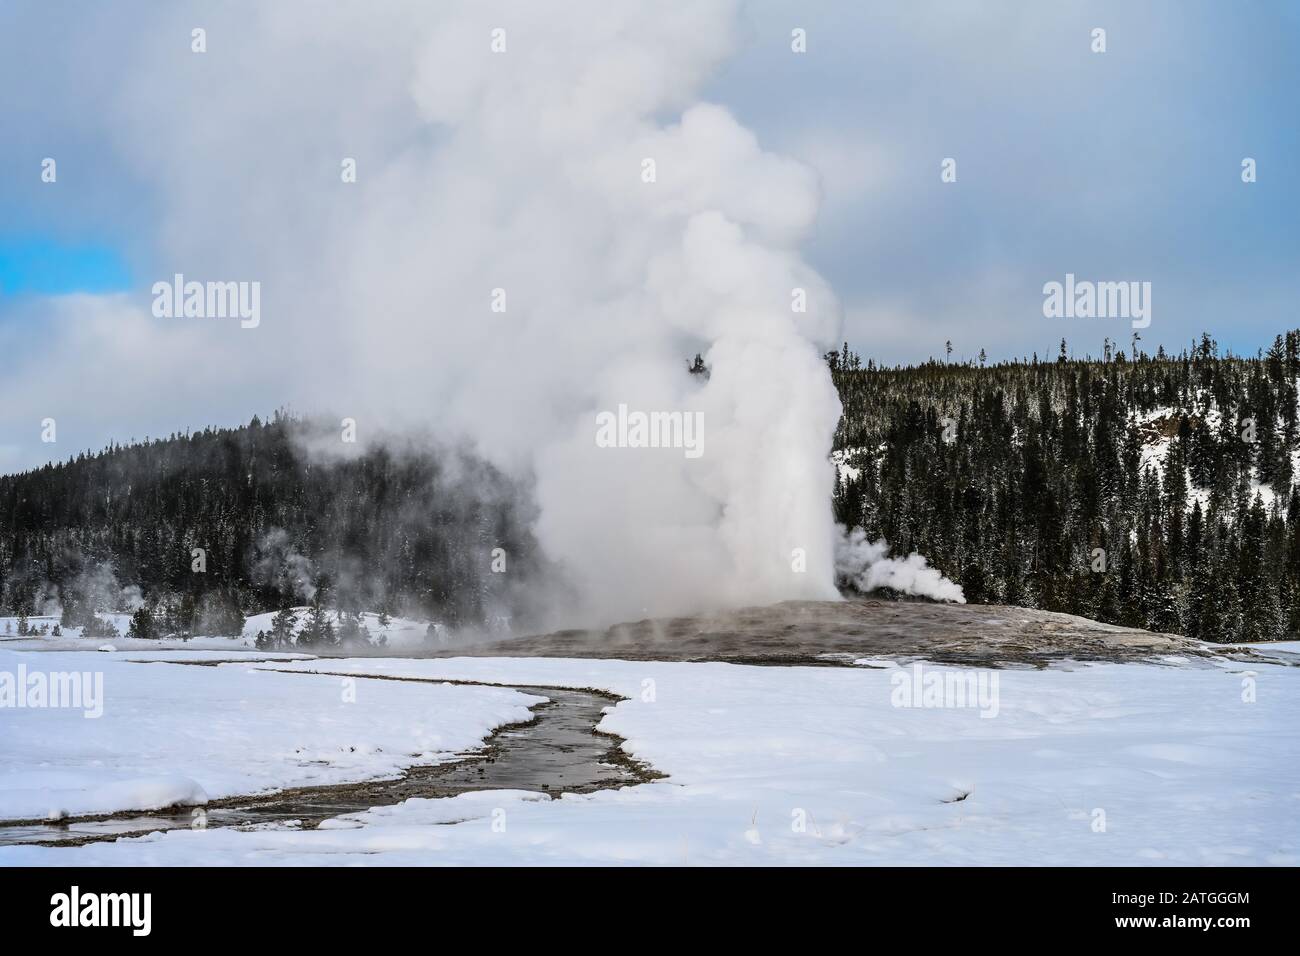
[(498, 146), (867, 566)]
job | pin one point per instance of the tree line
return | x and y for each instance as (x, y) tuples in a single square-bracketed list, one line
[(1154, 491), (201, 528)]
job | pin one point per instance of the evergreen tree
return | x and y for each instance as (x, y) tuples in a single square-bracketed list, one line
[(282, 635), (1156, 460), (317, 631), (142, 626), (351, 632)]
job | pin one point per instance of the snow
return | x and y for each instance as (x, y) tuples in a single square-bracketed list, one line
[(71, 639), (1153, 455), (187, 652), (172, 734), (841, 458), (400, 633), (843, 470), (1129, 764), (1279, 646)]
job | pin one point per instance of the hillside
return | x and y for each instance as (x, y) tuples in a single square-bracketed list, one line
[(278, 511), (1155, 492), (858, 632)]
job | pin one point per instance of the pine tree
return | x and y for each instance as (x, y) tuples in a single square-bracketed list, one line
[(351, 632), (142, 626), (282, 629), (317, 631)]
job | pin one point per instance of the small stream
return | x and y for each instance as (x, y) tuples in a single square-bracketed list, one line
[(557, 751)]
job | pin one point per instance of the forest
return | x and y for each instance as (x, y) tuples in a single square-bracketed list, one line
[(1154, 491), (205, 526)]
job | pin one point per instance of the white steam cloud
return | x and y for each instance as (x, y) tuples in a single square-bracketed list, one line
[(522, 169), (867, 566), (280, 563), (612, 281)]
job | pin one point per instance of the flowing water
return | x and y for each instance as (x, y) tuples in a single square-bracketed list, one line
[(557, 751)]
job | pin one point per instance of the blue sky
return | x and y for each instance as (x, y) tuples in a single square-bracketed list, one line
[(1114, 166), (33, 265), (1122, 165)]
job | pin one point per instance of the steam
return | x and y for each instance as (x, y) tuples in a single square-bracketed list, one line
[(95, 588), (867, 566), (515, 177), (280, 563), (610, 282)]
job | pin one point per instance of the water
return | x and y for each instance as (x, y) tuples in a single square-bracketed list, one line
[(557, 752)]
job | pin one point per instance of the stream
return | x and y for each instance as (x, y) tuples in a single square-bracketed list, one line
[(557, 751)]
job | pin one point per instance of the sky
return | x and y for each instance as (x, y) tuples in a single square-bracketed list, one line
[(1123, 165)]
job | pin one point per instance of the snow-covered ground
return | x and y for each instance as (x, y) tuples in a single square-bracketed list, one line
[(154, 734), (1155, 450), (1293, 646), (1101, 764), (399, 633)]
